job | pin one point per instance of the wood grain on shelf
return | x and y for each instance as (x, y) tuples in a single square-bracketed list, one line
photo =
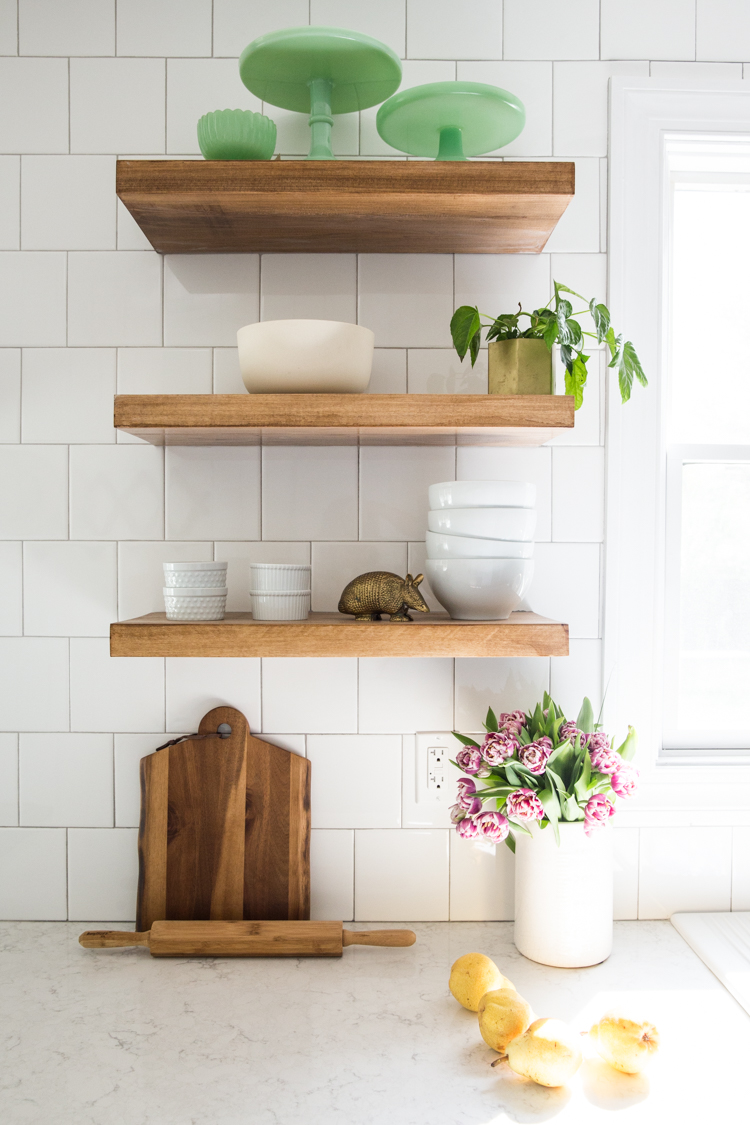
[(331, 634), (383, 206)]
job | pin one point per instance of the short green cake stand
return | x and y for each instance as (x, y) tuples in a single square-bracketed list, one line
[(451, 120), (320, 71)]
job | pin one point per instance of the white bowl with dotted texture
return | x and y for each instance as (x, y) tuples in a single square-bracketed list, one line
[(482, 494), (198, 603), (279, 577), (192, 574), (441, 546), (514, 524)]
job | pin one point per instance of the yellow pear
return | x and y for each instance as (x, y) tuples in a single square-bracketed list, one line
[(473, 975), (626, 1044), (503, 1016), (549, 1053)]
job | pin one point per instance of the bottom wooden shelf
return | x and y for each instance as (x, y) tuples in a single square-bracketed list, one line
[(331, 634)]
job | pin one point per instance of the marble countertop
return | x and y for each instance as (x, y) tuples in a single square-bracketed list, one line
[(115, 1037)]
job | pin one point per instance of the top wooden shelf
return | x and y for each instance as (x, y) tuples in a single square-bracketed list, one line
[(346, 206)]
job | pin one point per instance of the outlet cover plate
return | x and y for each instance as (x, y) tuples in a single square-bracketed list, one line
[(423, 807)]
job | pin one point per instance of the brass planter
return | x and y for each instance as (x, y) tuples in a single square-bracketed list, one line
[(520, 367)]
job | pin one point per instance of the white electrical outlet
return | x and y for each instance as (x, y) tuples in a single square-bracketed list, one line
[(436, 773), (429, 779)]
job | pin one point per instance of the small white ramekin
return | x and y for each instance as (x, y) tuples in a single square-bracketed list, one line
[(204, 603), (193, 574), (280, 605), (279, 577)]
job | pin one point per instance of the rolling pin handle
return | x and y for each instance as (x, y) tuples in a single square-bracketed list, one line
[(379, 937), (112, 939)]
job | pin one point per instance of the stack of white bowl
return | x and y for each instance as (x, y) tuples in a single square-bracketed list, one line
[(279, 591), (195, 591), (480, 543)]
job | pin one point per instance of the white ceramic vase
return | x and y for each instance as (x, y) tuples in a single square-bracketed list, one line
[(564, 896)]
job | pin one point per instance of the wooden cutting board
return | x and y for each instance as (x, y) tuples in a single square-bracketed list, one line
[(225, 829)]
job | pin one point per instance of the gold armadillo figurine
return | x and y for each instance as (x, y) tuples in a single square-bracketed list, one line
[(379, 591)]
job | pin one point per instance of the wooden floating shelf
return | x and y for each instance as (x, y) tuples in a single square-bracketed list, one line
[(346, 206), (331, 634), (344, 419)]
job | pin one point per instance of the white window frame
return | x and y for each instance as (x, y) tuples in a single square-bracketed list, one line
[(642, 111)]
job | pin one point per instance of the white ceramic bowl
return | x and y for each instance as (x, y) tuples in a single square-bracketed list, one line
[(516, 524), (195, 574), (482, 494), (479, 589), (279, 577), (280, 606), (201, 603), (305, 357), (465, 547)]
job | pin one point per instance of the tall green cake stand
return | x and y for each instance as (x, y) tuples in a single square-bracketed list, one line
[(320, 71), (451, 120)]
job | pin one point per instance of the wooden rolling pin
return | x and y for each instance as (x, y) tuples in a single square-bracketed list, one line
[(245, 939)]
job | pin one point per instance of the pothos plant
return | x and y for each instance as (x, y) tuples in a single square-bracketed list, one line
[(554, 325)]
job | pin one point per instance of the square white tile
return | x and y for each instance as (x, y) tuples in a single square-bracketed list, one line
[(684, 869), (171, 27), (129, 749), (308, 287), (10, 202), (11, 590), (565, 586), (642, 30), (482, 881), (581, 105), (532, 465), (84, 27), (68, 203), (578, 229), (116, 492), (331, 875), (309, 492), (385, 20), (741, 869), (213, 492), (207, 297), (400, 696), (33, 492), (497, 283), (388, 372), (141, 575), (129, 234), (393, 484), (626, 847), (195, 686), (578, 491), (240, 555), (102, 874), (67, 395), (437, 29), (532, 83), (117, 105), (505, 684), (401, 875), (9, 27), (10, 395), (114, 299), (66, 780), (573, 677), (371, 765), (70, 589), (34, 684), (114, 693), (34, 93), (439, 371), (335, 564), (198, 86), (32, 293), (164, 371), (226, 372), (406, 299), (535, 29), (309, 696), (8, 780), (238, 22), (33, 883)]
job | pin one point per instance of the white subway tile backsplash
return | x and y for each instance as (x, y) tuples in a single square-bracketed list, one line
[(67, 395), (532, 83), (213, 492), (684, 869), (335, 564), (9, 27), (536, 29), (309, 492), (443, 30), (497, 463), (8, 780), (226, 372), (482, 881), (515, 683), (371, 794), (32, 874), (741, 869), (11, 590), (198, 86), (66, 780), (498, 283), (114, 299), (573, 677), (406, 299), (116, 492), (69, 588), (10, 395), (34, 96), (578, 492), (642, 30), (171, 27), (578, 229), (401, 875), (393, 488), (240, 555), (565, 586), (33, 492), (78, 27), (116, 105), (195, 686), (68, 203), (309, 696), (625, 849), (308, 287), (208, 297), (114, 693), (388, 372), (722, 30), (385, 20), (164, 371), (238, 22), (331, 874), (581, 104), (129, 234), (34, 685), (102, 874), (439, 371), (10, 202), (405, 695), (141, 577), (129, 749), (32, 298)]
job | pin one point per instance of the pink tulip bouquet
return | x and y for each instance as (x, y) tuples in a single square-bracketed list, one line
[(540, 767)]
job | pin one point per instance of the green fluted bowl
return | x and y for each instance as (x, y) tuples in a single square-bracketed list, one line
[(236, 134)]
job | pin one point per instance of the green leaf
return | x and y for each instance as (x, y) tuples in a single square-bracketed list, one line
[(564, 289), (518, 827), (585, 720), (629, 746), (474, 343), (512, 776), (600, 317), (575, 378), (549, 335), (557, 780), (466, 741), (490, 722), (628, 366), (465, 324), (510, 842)]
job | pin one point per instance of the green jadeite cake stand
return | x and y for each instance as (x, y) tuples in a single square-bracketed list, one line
[(451, 120), (320, 71)]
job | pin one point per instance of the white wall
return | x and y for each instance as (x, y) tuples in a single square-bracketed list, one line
[(87, 516)]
